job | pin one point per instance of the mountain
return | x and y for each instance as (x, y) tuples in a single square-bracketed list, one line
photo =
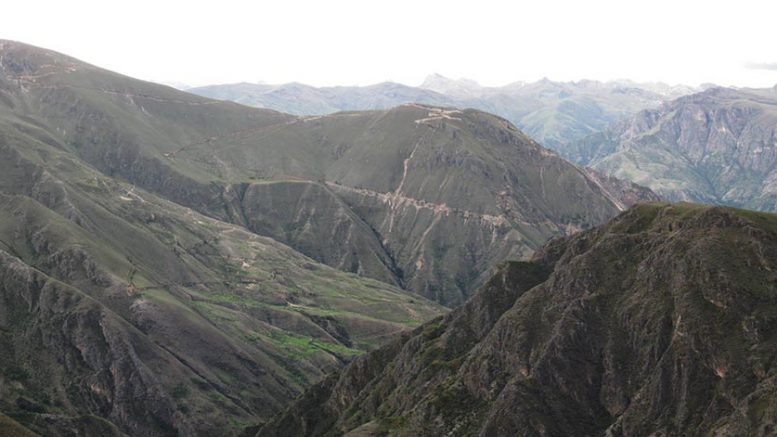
[(300, 99), (553, 113), (125, 313), (556, 113), (395, 188), (456, 88), (716, 147), (660, 322), (384, 194), (161, 252)]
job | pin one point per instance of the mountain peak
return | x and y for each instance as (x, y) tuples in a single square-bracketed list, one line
[(454, 87)]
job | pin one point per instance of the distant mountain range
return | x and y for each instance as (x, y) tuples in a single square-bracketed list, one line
[(553, 113), (166, 260), (718, 146)]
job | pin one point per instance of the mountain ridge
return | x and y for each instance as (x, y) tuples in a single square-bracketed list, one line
[(422, 171), (554, 113), (714, 147), (656, 322)]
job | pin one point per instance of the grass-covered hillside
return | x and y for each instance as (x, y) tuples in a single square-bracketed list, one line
[(125, 313), (384, 194)]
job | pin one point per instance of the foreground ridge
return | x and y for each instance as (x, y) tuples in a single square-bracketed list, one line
[(659, 322)]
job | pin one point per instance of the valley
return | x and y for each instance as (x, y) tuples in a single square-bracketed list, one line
[(542, 258)]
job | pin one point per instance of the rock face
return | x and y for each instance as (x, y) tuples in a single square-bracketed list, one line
[(719, 146), (381, 193), (661, 322)]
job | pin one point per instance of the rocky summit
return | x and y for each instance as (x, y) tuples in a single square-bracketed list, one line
[(660, 322)]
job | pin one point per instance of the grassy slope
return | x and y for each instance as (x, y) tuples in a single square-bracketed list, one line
[(250, 321), (445, 170)]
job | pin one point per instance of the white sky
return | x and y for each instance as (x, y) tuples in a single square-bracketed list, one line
[(344, 42)]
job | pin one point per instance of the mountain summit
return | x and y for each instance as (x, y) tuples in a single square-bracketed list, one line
[(553, 113), (460, 88)]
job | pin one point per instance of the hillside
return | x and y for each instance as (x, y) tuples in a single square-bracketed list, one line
[(713, 147), (553, 113), (392, 189), (122, 312), (660, 322)]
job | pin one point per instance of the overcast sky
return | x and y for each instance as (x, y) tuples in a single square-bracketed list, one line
[(360, 42)]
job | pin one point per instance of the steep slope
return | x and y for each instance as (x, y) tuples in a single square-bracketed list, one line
[(395, 188), (124, 313), (714, 147), (553, 113), (660, 322), (381, 193)]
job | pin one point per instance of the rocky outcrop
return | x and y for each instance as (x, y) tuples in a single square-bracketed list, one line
[(659, 322)]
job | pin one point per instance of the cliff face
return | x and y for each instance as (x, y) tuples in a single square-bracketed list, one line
[(659, 322), (718, 147)]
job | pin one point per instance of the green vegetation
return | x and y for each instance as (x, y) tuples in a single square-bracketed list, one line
[(303, 347)]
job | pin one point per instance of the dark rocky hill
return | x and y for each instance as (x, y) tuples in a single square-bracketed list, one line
[(661, 322)]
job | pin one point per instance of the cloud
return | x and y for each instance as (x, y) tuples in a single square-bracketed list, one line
[(761, 65)]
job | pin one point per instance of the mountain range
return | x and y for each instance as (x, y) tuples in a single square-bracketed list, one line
[(553, 113), (124, 313), (390, 187), (173, 264)]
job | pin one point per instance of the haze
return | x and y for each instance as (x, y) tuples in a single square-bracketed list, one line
[(328, 43)]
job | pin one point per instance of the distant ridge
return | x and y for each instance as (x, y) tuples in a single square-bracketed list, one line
[(553, 113), (718, 146)]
